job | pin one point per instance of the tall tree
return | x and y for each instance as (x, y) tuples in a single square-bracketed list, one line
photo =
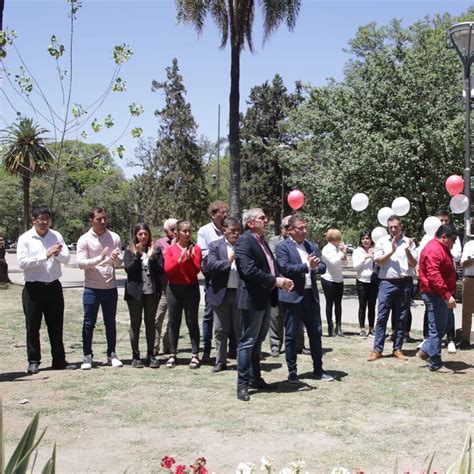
[(25, 154), (393, 127), (234, 19), (263, 140), (173, 183)]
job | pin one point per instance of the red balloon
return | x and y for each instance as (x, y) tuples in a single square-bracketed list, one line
[(454, 185), (296, 199)]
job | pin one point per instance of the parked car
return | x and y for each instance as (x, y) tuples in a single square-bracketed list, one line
[(72, 246)]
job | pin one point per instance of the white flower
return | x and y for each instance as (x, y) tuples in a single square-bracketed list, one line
[(245, 468), (297, 466), (340, 470), (267, 464), (287, 470)]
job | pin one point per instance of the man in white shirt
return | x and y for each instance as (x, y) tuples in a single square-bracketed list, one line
[(98, 253), (394, 255), (40, 253), (467, 264), (208, 233)]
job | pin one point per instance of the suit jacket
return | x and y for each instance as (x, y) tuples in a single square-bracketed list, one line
[(291, 266), (256, 285), (133, 266), (217, 268)]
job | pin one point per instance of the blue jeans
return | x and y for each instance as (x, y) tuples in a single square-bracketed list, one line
[(92, 299), (207, 321), (308, 312), (397, 296), (438, 320), (255, 325)]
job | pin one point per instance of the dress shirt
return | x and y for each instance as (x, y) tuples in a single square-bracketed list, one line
[(456, 251), (267, 252), (363, 265), (334, 260), (468, 251), (32, 259), (98, 274), (207, 234), (397, 266), (304, 255), (233, 281)]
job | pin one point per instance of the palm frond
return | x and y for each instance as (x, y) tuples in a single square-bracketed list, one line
[(276, 12)]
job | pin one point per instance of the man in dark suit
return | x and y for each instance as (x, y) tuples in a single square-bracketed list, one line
[(300, 260), (222, 290), (258, 279)]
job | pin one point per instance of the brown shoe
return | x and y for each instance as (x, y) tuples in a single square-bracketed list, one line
[(374, 356), (422, 355), (399, 355)]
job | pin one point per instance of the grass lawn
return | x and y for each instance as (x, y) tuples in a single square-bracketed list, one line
[(127, 419)]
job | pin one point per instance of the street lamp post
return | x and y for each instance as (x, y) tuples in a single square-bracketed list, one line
[(461, 38)]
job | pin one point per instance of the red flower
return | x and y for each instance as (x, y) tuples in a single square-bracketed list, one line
[(181, 469), (167, 462)]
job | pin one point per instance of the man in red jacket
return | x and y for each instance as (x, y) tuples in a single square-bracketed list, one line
[(437, 278)]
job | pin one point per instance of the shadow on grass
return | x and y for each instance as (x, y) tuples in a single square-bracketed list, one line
[(458, 366), (337, 374), (21, 377)]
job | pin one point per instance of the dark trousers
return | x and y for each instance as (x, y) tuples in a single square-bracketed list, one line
[(367, 294), (451, 329), (40, 299), (333, 293), (148, 304), (276, 329), (183, 297), (226, 316), (396, 295), (93, 299), (254, 330), (308, 313), (207, 321)]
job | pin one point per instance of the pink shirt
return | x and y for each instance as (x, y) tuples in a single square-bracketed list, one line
[(98, 273), (266, 251)]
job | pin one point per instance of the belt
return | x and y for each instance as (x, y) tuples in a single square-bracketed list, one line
[(396, 280), (43, 283)]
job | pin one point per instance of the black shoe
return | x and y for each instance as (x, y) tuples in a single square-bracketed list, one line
[(153, 363), (243, 393), (293, 377), (64, 366), (274, 351), (260, 384), (325, 377), (219, 368), (137, 364), (206, 357), (33, 368), (435, 368)]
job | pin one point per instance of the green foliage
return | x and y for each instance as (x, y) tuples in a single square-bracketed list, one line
[(172, 183), (122, 53), (393, 127), (263, 141), (55, 49), (18, 463)]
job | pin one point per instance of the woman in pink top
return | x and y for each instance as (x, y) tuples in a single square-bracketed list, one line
[(182, 266)]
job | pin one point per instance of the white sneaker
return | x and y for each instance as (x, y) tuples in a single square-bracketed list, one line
[(420, 345), (87, 363), (451, 347), (113, 360)]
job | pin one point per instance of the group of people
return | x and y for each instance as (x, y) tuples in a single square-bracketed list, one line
[(251, 286)]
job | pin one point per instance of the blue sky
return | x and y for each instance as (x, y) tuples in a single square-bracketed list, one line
[(313, 52)]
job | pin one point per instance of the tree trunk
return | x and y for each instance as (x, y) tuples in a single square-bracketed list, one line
[(26, 202), (2, 5), (234, 131)]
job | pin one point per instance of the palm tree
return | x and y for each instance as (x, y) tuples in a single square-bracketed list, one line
[(234, 19), (24, 153)]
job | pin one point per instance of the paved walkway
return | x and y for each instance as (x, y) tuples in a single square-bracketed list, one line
[(74, 278)]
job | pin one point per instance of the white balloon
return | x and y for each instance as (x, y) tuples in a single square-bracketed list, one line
[(431, 225), (359, 202), (401, 206), (378, 233), (384, 214), (459, 203)]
